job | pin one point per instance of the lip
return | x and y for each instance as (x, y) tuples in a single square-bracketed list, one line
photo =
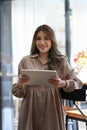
[(42, 47)]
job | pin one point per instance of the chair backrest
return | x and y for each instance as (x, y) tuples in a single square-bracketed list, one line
[(76, 95)]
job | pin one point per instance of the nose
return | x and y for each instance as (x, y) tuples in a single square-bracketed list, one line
[(42, 41)]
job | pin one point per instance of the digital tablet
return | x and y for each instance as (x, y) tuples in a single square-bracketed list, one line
[(39, 77)]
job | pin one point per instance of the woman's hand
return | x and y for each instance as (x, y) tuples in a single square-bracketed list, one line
[(58, 82), (22, 79)]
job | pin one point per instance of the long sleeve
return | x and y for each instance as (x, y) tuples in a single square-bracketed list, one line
[(72, 81), (19, 92)]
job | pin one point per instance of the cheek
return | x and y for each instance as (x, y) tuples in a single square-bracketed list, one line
[(37, 44)]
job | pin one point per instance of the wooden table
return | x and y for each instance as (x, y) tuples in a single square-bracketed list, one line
[(75, 112)]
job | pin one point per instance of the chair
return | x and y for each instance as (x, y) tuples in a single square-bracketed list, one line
[(74, 112)]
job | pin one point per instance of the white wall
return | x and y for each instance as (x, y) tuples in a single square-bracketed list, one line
[(27, 15)]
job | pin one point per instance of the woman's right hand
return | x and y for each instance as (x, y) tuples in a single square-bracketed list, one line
[(22, 79)]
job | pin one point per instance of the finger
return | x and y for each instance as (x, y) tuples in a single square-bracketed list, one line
[(24, 76), (55, 79)]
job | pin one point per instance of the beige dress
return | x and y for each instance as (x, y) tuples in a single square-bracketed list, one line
[(41, 107)]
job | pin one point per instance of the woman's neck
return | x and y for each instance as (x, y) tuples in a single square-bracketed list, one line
[(43, 55), (43, 58)]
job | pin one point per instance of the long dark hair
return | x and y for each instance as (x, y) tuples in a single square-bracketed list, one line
[(54, 54)]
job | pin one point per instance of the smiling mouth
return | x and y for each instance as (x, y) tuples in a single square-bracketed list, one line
[(42, 47)]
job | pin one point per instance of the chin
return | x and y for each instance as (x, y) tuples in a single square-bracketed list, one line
[(43, 51)]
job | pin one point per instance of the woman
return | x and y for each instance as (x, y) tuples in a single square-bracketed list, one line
[(41, 108)]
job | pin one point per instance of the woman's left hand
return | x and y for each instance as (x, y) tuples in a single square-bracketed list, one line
[(58, 82)]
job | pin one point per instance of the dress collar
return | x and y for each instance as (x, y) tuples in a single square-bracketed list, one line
[(34, 56)]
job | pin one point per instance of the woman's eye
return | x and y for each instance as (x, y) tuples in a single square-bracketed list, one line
[(38, 38), (46, 38)]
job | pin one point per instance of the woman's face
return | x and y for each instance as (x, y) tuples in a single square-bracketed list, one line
[(43, 42)]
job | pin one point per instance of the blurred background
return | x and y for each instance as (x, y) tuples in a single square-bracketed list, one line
[(18, 21)]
